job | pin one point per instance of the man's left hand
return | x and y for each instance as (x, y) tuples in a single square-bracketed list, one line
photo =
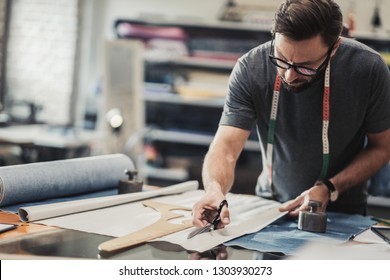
[(318, 193)]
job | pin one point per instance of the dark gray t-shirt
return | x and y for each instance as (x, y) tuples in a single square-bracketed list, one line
[(359, 104)]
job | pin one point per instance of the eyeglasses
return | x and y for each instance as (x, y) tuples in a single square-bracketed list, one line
[(303, 70)]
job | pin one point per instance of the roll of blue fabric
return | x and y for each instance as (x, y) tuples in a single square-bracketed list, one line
[(44, 180)]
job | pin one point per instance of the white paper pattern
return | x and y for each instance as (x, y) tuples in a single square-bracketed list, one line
[(248, 214)]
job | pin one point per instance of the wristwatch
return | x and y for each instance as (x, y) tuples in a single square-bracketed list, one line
[(333, 193)]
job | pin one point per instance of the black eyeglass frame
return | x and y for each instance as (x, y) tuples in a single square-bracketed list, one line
[(297, 67)]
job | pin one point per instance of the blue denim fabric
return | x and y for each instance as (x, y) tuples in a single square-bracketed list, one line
[(283, 236), (44, 180), (14, 208)]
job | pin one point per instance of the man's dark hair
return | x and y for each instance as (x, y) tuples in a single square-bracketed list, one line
[(304, 19)]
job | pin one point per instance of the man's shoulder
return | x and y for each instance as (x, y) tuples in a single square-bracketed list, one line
[(358, 56), (255, 62), (358, 47), (257, 53)]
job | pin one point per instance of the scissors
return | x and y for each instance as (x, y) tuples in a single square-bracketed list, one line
[(211, 225)]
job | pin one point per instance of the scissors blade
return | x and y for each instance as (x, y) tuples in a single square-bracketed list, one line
[(199, 231)]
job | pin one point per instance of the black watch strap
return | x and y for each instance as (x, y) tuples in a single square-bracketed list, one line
[(333, 193), (329, 185)]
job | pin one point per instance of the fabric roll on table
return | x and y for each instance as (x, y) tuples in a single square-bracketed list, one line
[(44, 180)]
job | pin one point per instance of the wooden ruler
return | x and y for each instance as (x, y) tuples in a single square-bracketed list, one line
[(158, 229)]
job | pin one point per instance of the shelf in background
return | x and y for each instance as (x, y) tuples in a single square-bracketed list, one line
[(192, 23), (174, 98), (177, 174), (192, 138), (196, 61), (216, 63), (372, 36)]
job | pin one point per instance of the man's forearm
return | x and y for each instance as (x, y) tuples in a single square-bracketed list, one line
[(218, 171), (365, 165), (220, 161)]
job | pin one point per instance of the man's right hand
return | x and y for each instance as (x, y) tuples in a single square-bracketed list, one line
[(202, 210)]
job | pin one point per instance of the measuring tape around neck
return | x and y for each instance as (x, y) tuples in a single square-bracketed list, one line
[(325, 127)]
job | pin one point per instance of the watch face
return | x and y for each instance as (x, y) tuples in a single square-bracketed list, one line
[(334, 195)]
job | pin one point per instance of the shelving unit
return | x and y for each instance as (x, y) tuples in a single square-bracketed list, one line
[(184, 93)]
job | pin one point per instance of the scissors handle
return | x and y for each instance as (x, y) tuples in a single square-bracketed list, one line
[(217, 218)]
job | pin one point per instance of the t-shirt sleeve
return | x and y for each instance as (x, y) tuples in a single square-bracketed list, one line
[(378, 114), (239, 109)]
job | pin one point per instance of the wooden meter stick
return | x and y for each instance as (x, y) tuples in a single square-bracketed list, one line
[(158, 229)]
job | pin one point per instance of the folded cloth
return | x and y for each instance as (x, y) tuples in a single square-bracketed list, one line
[(283, 236), (43, 180)]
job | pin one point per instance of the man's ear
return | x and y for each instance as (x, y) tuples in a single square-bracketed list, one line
[(336, 46)]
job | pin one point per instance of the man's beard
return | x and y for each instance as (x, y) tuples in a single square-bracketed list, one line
[(299, 88), (305, 84)]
